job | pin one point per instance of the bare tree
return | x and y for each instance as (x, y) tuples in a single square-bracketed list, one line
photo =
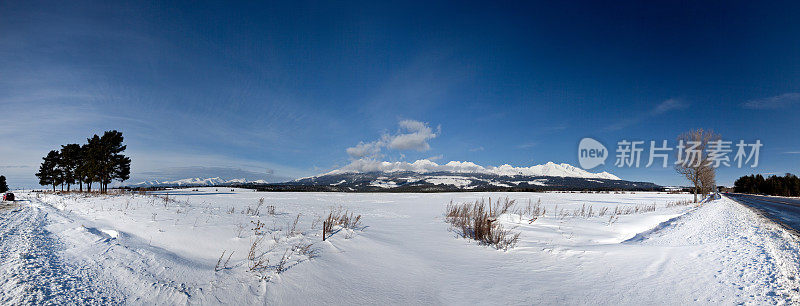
[(708, 181), (694, 162)]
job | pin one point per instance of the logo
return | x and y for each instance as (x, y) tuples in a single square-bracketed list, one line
[(591, 153)]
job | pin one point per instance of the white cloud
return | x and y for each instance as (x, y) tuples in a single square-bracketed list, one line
[(780, 101), (365, 149), (412, 136)]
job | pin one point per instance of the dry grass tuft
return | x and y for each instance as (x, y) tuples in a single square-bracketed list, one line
[(291, 228), (306, 249), (338, 217), (282, 264), (223, 265), (478, 221), (679, 203), (257, 262)]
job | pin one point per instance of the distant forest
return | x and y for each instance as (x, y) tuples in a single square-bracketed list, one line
[(787, 185)]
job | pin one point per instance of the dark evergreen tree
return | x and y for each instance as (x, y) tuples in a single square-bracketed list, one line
[(70, 160), (3, 185), (106, 162), (100, 161), (91, 164), (81, 171), (49, 172), (117, 166), (787, 185)]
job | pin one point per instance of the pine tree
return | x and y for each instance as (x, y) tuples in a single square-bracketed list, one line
[(70, 160), (91, 164), (116, 166), (100, 161), (49, 172), (3, 185), (104, 160)]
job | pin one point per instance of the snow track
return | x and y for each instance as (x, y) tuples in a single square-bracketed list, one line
[(748, 252), (34, 273)]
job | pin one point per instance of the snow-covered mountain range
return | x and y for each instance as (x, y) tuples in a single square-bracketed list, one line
[(196, 182), (426, 166), (426, 175)]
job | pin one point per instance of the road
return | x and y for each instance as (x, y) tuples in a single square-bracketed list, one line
[(785, 211)]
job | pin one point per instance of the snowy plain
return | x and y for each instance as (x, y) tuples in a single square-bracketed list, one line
[(164, 248)]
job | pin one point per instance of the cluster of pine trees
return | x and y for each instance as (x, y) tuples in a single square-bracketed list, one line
[(3, 185), (787, 185), (99, 161)]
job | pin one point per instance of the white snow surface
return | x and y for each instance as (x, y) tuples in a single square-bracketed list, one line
[(449, 180), (427, 166), (140, 249)]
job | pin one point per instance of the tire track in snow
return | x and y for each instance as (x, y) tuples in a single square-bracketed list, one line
[(32, 270)]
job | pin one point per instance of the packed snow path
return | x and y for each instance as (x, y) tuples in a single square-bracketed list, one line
[(33, 272), (718, 253), (739, 250)]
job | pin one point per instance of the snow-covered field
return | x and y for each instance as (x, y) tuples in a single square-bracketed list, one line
[(143, 249)]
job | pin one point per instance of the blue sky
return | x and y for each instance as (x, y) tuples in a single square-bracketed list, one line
[(282, 90)]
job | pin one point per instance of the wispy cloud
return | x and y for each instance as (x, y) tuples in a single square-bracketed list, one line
[(476, 149), (417, 86), (661, 108), (175, 173), (557, 127), (776, 102), (434, 158), (147, 165), (792, 152), (668, 105)]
